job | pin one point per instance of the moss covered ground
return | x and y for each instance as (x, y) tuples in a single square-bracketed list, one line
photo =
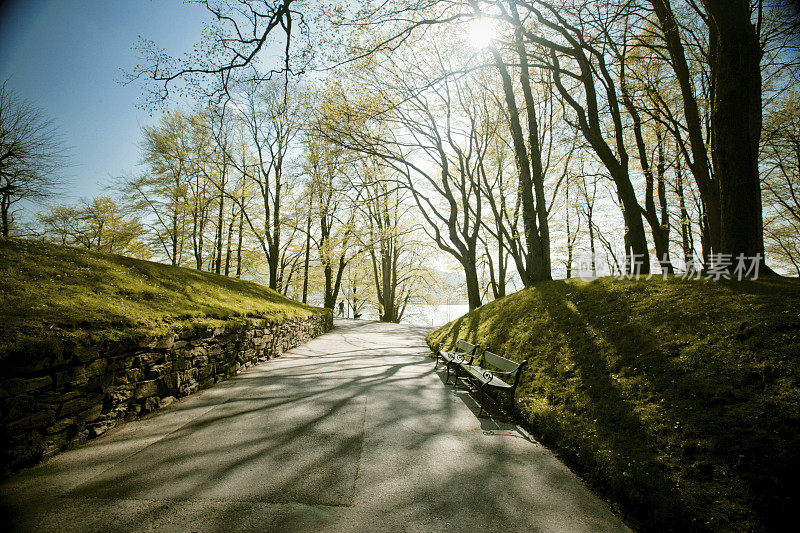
[(52, 293), (679, 400)]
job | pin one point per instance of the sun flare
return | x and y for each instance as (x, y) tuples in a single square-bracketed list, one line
[(481, 32)]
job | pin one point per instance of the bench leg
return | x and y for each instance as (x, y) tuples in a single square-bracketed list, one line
[(483, 399)]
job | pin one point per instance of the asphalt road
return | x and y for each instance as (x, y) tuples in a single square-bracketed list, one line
[(353, 431)]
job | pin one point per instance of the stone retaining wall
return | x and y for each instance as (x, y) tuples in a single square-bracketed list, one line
[(58, 401)]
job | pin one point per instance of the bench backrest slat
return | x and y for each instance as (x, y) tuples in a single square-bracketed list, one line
[(465, 347), (500, 363)]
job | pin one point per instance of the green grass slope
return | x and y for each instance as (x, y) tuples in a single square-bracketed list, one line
[(679, 399), (49, 291)]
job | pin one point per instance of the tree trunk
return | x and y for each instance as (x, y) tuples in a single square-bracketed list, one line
[(638, 255), (239, 244), (473, 286), (543, 269), (220, 222), (660, 235), (591, 246), (529, 218), (333, 283), (308, 247), (698, 164), (175, 240), (735, 57), (228, 251), (501, 267), (4, 209), (569, 240), (686, 224), (663, 257)]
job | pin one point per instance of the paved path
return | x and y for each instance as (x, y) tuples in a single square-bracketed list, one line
[(353, 431)]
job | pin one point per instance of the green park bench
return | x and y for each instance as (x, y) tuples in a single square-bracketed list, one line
[(464, 353), (494, 372)]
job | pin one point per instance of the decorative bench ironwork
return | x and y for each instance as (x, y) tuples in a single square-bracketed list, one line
[(464, 353), (492, 371)]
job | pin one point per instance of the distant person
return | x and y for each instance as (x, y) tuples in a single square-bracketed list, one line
[(341, 308)]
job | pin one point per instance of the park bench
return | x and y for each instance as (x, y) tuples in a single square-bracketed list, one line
[(492, 371), (464, 353)]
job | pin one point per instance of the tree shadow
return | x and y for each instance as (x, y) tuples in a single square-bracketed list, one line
[(633, 406), (372, 436)]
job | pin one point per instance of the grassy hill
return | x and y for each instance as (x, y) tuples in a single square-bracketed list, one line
[(679, 399), (49, 291)]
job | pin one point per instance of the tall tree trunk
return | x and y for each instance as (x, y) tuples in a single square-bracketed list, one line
[(239, 244), (589, 213), (174, 257), (735, 57), (698, 163), (228, 250), (534, 260), (308, 247), (490, 264), (4, 210), (663, 257), (333, 282), (529, 217), (330, 297), (220, 223), (569, 239), (637, 253), (591, 246), (274, 268), (660, 236), (501, 267), (473, 285), (686, 223), (614, 159), (543, 269)]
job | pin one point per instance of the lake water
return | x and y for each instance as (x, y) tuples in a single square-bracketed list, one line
[(431, 316)]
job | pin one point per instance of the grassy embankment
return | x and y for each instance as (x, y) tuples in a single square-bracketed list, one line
[(679, 400), (53, 294)]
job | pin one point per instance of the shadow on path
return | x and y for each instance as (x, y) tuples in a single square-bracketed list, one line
[(353, 431)]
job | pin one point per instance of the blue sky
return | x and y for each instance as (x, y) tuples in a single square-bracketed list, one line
[(64, 56)]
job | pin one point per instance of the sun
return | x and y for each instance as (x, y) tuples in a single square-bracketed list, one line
[(481, 31)]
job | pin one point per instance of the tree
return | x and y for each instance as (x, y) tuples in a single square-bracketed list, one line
[(693, 123), (162, 192), (397, 257), (528, 158), (780, 164), (566, 43), (735, 57), (200, 189), (271, 117), (433, 140), (32, 156), (333, 208), (98, 224), (572, 236), (232, 49)]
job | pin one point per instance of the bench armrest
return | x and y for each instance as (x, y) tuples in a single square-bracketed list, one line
[(515, 374), (458, 357), (461, 357)]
